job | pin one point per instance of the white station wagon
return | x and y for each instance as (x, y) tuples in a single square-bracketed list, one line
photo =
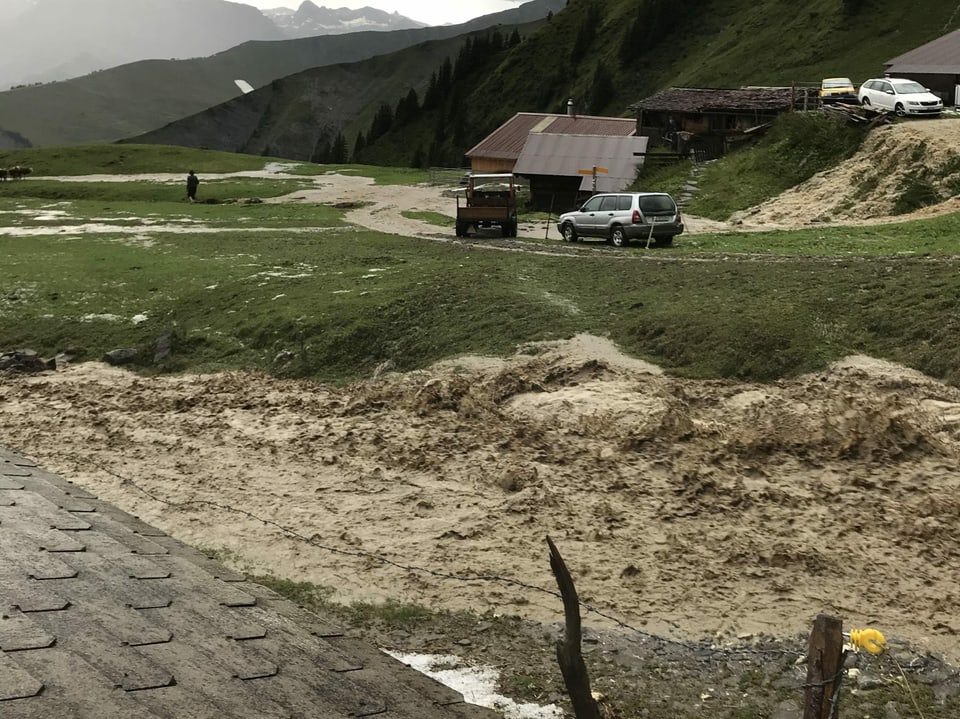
[(904, 97)]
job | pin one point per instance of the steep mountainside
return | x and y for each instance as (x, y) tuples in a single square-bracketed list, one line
[(605, 54), (309, 20), (298, 115), (137, 97), (58, 39)]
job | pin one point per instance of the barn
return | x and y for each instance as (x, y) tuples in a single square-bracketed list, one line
[(935, 65)]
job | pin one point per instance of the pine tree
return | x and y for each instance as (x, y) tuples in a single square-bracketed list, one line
[(338, 152), (359, 146)]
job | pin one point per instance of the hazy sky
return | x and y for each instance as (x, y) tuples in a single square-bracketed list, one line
[(434, 12)]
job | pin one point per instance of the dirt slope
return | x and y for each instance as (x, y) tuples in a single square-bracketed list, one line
[(686, 508), (865, 188)]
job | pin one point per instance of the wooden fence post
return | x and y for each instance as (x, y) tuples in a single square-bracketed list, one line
[(824, 667), (571, 662)]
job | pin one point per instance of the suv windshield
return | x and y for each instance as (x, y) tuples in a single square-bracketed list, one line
[(656, 203), (837, 82)]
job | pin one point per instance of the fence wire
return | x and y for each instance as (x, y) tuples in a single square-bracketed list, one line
[(439, 574)]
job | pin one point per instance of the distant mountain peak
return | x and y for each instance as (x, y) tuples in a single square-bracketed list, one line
[(310, 20)]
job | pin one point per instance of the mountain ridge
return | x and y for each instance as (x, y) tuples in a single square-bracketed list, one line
[(137, 97), (310, 19)]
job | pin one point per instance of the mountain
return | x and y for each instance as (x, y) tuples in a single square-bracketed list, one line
[(141, 96), (309, 20), (605, 54), (46, 40)]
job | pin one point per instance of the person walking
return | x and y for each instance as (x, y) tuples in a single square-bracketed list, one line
[(193, 182)]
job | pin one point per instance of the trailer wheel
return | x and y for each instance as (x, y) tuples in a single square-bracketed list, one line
[(461, 229)]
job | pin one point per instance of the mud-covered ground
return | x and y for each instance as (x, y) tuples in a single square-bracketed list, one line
[(712, 513)]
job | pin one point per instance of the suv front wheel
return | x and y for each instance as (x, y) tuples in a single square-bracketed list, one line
[(618, 238), (569, 232)]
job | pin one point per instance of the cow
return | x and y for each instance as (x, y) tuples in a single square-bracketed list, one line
[(18, 172)]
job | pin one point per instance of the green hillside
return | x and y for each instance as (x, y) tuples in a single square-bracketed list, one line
[(608, 54), (605, 54)]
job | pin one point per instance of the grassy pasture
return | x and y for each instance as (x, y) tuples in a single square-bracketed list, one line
[(295, 290)]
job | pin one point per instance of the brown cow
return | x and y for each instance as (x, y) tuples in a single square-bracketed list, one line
[(18, 173), (3, 174)]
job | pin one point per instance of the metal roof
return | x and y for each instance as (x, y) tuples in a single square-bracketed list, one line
[(507, 141), (937, 57), (102, 615), (566, 155), (700, 99)]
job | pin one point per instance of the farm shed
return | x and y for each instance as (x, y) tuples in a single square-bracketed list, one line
[(935, 65), (555, 166), (107, 616), (709, 120), (498, 152)]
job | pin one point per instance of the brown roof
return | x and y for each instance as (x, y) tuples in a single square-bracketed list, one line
[(697, 100), (507, 141), (940, 56), (102, 615)]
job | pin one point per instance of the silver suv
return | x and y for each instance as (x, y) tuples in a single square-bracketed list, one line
[(623, 216)]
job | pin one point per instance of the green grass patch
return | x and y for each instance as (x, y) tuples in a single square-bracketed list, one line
[(434, 218), (122, 159), (383, 175), (215, 190), (291, 289)]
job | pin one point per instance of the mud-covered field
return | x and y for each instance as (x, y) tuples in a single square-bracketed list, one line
[(686, 508)]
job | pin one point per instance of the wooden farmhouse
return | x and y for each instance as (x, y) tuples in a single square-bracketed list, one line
[(707, 121), (564, 169), (935, 65)]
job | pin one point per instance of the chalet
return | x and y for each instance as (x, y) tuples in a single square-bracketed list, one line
[(708, 120), (499, 151), (935, 65)]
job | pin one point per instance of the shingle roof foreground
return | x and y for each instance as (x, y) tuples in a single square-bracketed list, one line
[(104, 616), (507, 141), (697, 99)]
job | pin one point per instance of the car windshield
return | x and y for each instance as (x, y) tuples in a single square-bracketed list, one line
[(656, 203), (837, 82), (908, 88)]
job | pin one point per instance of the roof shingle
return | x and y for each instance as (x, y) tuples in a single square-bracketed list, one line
[(103, 616)]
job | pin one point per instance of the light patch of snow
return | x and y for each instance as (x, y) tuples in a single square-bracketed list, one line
[(477, 684), (104, 316), (138, 319), (245, 87)]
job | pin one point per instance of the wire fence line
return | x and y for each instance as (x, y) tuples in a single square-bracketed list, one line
[(467, 578)]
